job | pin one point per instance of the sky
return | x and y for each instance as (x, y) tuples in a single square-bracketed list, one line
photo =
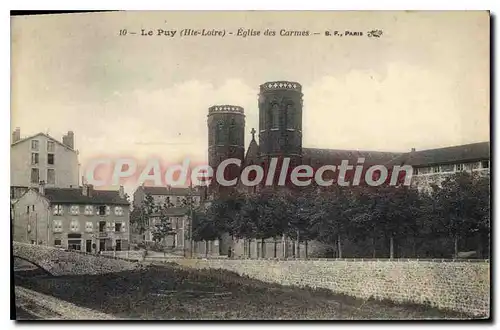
[(423, 84)]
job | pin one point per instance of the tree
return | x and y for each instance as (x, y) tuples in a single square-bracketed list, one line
[(462, 204), (162, 226), (206, 228), (140, 215), (329, 222)]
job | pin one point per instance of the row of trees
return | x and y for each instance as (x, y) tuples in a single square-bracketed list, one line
[(361, 221)]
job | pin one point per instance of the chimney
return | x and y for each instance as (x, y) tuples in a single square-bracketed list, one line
[(41, 188), (87, 190), (69, 139), (16, 135), (121, 192)]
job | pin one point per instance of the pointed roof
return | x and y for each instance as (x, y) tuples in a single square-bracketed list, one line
[(253, 148)]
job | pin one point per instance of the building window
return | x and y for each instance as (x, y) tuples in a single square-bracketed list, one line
[(75, 209), (118, 210), (485, 164), (102, 226), (58, 209), (57, 224), (28, 209), (289, 116), (74, 226), (57, 242), (178, 201), (35, 175), (75, 244), (50, 146), (50, 159), (415, 171), (51, 176), (89, 226), (221, 136), (460, 167), (118, 227), (33, 208), (233, 132), (102, 210), (435, 169), (275, 115), (88, 210), (34, 158), (34, 145)]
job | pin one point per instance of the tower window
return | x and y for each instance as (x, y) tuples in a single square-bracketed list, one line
[(290, 116), (221, 138), (232, 132), (275, 115)]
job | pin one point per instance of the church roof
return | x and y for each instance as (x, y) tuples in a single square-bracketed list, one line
[(319, 157), (253, 150)]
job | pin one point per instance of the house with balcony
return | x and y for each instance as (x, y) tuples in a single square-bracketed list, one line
[(80, 218)]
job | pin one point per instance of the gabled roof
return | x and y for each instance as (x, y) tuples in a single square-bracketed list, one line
[(75, 196), (170, 191), (47, 136), (252, 151), (463, 153), (319, 157)]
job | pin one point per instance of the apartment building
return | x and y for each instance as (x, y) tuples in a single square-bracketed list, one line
[(41, 157), (74, 218)]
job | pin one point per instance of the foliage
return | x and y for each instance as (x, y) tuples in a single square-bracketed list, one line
[(162, 226), (140, 215), (387, 218)]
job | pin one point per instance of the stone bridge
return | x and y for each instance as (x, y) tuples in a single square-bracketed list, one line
[(59, 262)]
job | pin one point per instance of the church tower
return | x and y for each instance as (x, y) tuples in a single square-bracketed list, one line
[(280, 122), (226, 139)]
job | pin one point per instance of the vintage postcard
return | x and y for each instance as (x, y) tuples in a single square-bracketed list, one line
[(251, 165)]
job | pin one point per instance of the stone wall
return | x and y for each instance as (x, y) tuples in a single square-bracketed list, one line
[(460, 286), (60, 262)]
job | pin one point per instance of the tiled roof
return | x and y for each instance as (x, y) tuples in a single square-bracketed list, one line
[(463, 153), (46, 135), (319, 157), (170, 191), (72, 195)]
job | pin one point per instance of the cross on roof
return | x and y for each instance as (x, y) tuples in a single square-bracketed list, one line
[(253, 131)]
